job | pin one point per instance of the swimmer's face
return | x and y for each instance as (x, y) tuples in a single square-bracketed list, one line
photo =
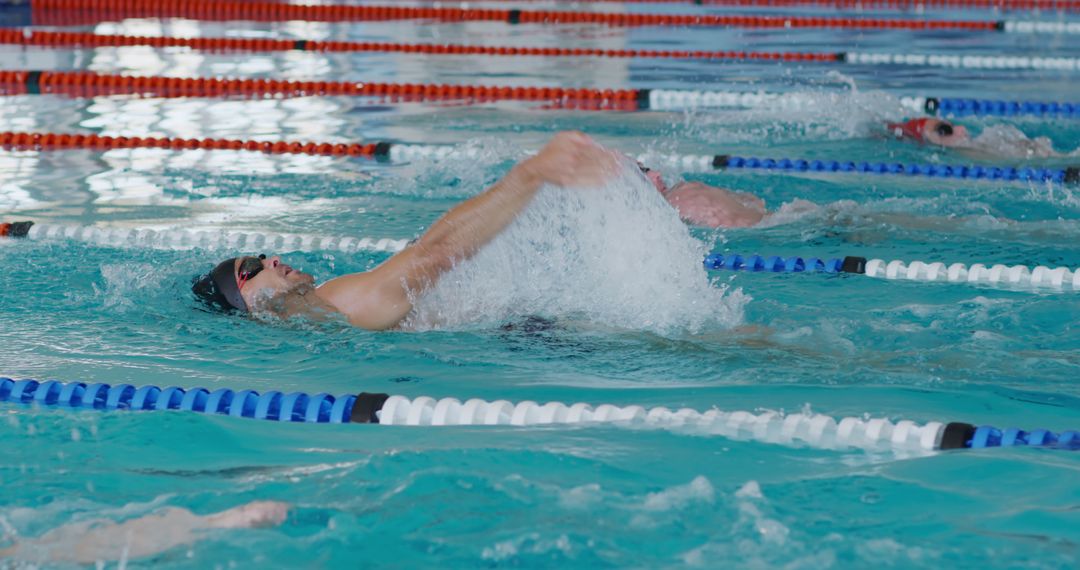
[(274, 279), (654, 177), (944, 133)]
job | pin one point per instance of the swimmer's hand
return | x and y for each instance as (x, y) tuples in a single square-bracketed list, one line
[(572, 159)]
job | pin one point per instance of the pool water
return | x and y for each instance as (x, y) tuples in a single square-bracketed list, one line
[(635, 318)]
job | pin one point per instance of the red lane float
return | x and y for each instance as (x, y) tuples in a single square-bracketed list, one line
[(27, 37), (85, 84), (1015, 5), (54, 141), (80, 12)]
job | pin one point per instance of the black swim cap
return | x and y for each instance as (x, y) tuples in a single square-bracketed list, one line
[(218, 288)]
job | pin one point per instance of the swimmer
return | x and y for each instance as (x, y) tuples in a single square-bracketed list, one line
[(709, 206), (89, 542), (998, 141), (931, 131), (380, 299)]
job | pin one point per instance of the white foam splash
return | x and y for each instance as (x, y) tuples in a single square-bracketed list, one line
[(700, 490), (617, 256), (827, 107), (121, 280), (1007, 141)]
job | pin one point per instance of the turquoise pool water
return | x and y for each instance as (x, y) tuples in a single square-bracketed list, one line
[(635, 322)]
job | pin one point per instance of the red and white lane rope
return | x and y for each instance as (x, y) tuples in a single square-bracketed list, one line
[(38, 38), (79, 12), (85, 84), (1009, 5)]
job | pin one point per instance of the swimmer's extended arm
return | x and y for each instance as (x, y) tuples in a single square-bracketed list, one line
[(99, 541), (381, 298)]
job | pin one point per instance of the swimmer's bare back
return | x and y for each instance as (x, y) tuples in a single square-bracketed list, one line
[(704, 205)]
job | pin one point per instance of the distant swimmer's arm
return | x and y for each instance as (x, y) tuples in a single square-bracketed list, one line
[(96, 541), (381, 298)]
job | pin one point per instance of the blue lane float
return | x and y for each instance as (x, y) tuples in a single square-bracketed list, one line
[(1069, 175), (777, 264), (274, 406), (323, 408), (1039, 277), (957, 107)]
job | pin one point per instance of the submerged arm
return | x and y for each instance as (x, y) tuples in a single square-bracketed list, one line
[(95, 541)]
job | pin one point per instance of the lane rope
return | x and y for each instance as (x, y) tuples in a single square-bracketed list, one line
[(1004, 5), (50, 39), (64, 141), (86, 84), (804, 430), (399, 152), (1058, 278), (179, 238), (1040, 276), (73, 12), (700, 163)]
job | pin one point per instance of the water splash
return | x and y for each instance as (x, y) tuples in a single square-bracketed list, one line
[(831, 109), (616, 256), (1007, 141)]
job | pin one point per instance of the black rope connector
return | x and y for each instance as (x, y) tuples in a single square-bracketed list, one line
[(932, 105), (643, 98), (366, 406), (33, 83), (720, 161), (301, 45), (841, 57), (853, 264), (382, 151), (957, 436), (1072, 175), (513, 16), (999, 25), (20, 229)]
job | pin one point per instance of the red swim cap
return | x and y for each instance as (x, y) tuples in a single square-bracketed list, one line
[(912, 129)]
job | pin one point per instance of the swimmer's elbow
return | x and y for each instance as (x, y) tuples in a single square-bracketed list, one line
[(429, 261)]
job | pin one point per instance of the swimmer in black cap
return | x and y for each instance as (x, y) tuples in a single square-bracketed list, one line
[(381, 298), (221, 287)]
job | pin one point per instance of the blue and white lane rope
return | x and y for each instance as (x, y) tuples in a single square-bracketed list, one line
[(1060, 278), (697, 163), (996, 274), (803, 429)]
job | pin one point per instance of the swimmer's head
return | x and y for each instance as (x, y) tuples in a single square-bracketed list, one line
[(654, 177), (930, 131), (240, 283)]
